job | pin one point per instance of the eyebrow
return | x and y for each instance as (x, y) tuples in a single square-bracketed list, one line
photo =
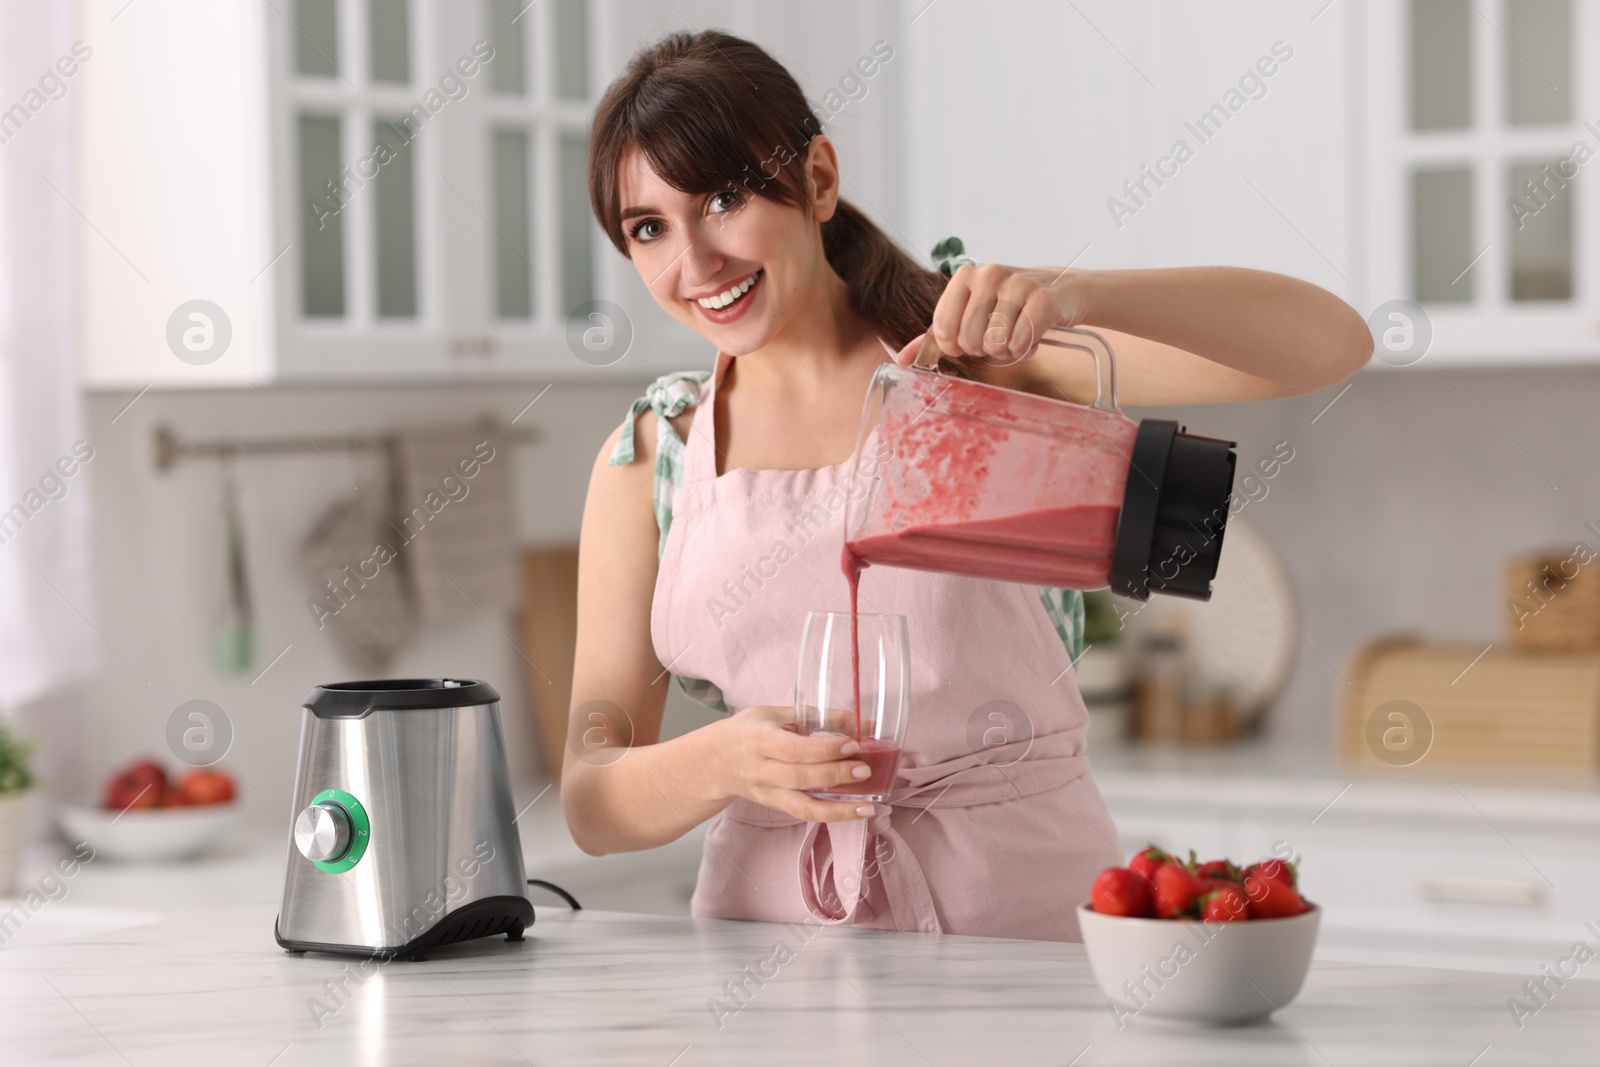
[(628, 213)]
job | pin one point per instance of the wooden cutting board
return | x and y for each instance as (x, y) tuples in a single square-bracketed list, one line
[(549, 634)]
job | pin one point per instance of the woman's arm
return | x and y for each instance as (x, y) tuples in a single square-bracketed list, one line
[(622, 787), (1182, 335)]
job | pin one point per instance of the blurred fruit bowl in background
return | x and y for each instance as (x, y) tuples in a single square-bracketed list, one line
[(148, 815)]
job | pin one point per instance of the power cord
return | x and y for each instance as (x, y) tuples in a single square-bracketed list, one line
[(571, 900)]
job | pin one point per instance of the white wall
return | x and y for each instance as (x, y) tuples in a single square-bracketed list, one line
[(158, 543)]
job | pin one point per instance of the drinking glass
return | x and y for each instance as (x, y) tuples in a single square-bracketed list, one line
[(825, 705)]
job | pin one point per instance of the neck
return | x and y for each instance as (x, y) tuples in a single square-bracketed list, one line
[(818, 342)]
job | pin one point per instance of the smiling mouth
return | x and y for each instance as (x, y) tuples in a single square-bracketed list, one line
[(730, 295)]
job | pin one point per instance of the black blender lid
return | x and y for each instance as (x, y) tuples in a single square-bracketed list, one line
[(353, 700), (1175, 510)]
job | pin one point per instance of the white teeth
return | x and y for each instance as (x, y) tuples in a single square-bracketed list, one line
[(728, 296)]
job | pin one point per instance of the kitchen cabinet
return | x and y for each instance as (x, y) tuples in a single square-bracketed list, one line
[(1482, 131), (376, 190), (1287, 138), (351, 190)]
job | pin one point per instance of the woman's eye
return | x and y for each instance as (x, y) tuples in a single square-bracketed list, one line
[(646, 230), (726, 200)]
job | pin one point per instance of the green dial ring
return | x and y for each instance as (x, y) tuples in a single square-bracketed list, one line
[(360, 830)]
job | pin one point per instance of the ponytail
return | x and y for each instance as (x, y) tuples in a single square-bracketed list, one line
[(887, 289)]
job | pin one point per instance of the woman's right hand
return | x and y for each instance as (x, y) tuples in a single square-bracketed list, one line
[(761, 758)]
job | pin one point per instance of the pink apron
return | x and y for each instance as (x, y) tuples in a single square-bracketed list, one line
[(994, 826)]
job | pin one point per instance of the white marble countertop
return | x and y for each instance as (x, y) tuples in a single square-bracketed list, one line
[(598, 987)]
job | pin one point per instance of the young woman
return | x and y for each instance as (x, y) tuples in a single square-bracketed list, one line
[(708, 170)]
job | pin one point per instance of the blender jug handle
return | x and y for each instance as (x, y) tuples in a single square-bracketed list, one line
[(1105, 362), (1105, 379)]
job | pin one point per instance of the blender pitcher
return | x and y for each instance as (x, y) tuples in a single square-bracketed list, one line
[(967, 478)]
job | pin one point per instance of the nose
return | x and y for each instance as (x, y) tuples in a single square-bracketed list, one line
[(702, 263)]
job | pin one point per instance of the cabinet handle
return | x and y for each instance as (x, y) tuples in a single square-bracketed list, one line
[(1513, 891)]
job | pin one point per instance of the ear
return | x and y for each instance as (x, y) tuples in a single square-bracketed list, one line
[(822, 176)]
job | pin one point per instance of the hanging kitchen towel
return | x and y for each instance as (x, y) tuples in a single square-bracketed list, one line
[(233, 629), (453, 523), (361, 596)]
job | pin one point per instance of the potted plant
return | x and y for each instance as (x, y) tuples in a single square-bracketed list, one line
[(1104, 670), (16, 778)]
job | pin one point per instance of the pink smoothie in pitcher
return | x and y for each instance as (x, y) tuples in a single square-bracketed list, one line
[(997, 484)]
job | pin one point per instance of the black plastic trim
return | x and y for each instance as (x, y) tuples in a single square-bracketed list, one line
[(481, 918), (1141, 501), (355, 700)]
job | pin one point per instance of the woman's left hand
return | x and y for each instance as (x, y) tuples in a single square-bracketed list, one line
[(998, 313)]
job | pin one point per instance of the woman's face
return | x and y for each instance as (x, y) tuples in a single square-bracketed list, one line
[(751, 259)]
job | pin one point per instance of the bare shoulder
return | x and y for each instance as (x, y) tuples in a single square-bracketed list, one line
[(621, 493)]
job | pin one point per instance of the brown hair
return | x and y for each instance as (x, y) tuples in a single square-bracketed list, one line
[(711, 111)]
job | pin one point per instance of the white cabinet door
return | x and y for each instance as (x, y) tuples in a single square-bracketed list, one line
[(1482, 134), (168, 192)]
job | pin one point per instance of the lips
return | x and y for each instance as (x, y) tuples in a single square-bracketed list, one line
[(728, 295), (732, 302)]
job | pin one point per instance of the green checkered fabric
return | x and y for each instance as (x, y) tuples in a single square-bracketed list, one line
[(670, 394)]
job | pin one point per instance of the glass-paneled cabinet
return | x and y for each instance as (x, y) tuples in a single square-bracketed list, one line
[(431, 191), (1482, 154)]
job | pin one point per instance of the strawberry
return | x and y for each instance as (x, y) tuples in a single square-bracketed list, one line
[(1178, 891), (1148, 861), (1225, 905), (1220, 871), (1119, 891), (1275, 870), (1271, 898)]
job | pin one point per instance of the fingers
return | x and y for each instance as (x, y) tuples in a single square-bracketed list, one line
[(810, 809), (813, 810), (975, 321), (913, 352), (789, 747), (951, 309), (1037, 316), (991, 310), (768, 712), (787, 775)]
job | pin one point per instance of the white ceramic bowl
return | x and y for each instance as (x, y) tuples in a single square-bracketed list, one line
[(145, 834), (1198, 973)]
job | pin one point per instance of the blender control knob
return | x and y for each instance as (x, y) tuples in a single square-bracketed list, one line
[(322, 832)]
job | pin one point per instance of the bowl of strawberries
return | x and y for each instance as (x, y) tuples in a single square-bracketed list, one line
[(147, 814), (1209, 944)]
